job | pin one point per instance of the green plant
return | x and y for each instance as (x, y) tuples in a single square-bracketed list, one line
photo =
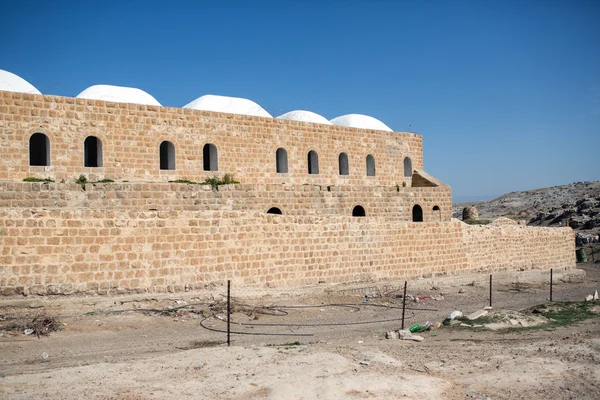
[(215, 181), (228, 179), (81, 180), (32, 179), (105, 181), (184, 181), (403, 184)]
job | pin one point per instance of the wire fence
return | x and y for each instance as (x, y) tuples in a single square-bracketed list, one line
[(262, 318)]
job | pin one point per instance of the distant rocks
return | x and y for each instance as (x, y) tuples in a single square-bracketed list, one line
[(576, 205)]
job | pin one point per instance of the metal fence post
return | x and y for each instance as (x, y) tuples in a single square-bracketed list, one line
[(228, 312), (550, 284), (490, 290), (403, 304)]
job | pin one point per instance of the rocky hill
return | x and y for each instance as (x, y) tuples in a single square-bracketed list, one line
[(576, 205)]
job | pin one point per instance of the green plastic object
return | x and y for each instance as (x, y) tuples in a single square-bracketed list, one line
[(414, 328)]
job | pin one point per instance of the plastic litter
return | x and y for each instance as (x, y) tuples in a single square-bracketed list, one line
[(28, 331), (45, 356)]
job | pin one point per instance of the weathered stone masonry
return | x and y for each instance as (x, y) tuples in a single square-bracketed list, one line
[(150, 235)]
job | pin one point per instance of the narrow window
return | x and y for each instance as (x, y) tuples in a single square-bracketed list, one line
[(417, 213), (39, 150), (313, 162), (167, 155), (92, 152), (210, 157), (437, 216), (358, 211), (408, 171), (370, 165), (281, 161), (343, 162), (274, 210)]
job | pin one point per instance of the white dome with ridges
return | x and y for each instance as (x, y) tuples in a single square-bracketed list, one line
[(360, 121), (118, 94), (10, 82), (305, 116), (226, 104)]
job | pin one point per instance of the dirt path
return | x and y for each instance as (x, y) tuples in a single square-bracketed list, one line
[(140, 355)]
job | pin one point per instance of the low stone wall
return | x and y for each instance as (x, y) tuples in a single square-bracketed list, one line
[(85, 251)]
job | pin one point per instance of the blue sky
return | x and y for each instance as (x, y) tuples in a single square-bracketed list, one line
[(505, 93)]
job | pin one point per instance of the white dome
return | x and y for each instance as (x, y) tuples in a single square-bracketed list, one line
[(360, 121), (10, 82), (118, 94), (305, 116), (225, 104)]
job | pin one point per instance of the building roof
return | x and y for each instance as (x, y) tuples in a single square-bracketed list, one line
[(119, 94), (305, 116), (360, 121), (226, 104), (13, 83)]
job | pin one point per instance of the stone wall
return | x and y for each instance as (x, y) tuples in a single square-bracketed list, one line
[(391, 201), (131, 135), (102, 251)]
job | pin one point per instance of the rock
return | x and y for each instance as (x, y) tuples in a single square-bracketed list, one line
[(392, 335), (415, 338), (465, 325), (487, 307), (455, 314), (476, 314), (364, 363), (513, 322), (524, 323), (470, 213), (589, 297), (596, 294), (403, 333)]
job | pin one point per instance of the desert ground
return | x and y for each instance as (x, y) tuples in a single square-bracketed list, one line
[(302, 345)]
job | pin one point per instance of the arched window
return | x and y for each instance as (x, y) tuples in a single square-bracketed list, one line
[(39, 149), (437, 213), (274, 210), (343, 162), (313, 162), (167, 155), (408, 171), (92, 152), (370, 165), (281, 161), (210, 157), (358, 211), (417, 213)]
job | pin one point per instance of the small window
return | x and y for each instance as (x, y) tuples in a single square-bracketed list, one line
[(417, 213), (210, 157), (39, 150), (167, 155), (358, 211), (370, 165), (408, 171), (274, 210), (313, 162), (343, 163), (281, 161), (437, 216), (92, 152)]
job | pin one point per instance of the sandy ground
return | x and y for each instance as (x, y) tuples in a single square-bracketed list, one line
[(120, 352)]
